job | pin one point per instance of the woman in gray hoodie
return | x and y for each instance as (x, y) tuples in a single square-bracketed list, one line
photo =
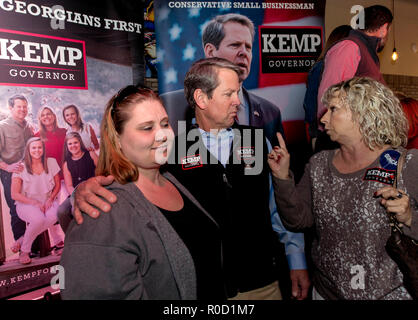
[(153, 242)]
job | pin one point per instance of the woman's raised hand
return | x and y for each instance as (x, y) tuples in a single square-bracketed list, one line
[(279, 159)]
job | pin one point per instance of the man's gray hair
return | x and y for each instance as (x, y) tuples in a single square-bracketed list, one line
[(16, 97), (214, 31), (203, 74)]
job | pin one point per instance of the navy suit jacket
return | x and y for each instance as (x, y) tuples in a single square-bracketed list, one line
[(263, 113)]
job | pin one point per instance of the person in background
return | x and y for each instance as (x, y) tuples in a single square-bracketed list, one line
[(231, 37), (14, 133), (310, 103), (79, 162), (79, 165), (356, 55), (347, 193), (153, 244), (410, 107), (35, 191), (53, 137), (72, 117), (51, 134)]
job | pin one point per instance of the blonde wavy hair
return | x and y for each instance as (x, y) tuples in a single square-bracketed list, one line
[(42, 129), (375, 108)]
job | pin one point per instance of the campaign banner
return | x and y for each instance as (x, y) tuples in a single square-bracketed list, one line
[(28, 59), (289, 49), (288, 39), (57, 55)]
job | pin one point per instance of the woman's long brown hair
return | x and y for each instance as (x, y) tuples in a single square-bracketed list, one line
[(28, 158)]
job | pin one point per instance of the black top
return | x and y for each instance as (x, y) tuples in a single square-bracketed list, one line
[(239, 203), (202, 237), (81, 169)]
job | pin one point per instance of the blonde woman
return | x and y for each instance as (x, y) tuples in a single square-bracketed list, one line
[(347, 193), (51, 134)]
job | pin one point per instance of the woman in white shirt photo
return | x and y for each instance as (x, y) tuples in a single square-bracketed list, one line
[(75, 123), (35, 191)]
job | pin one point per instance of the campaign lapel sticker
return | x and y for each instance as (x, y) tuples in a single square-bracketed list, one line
[(247, 156), (389, 159), (245, 153), (380, 175), (191, 162)]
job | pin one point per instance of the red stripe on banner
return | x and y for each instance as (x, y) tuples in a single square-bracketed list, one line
[(289, 10), (294, 131), (308, 138), (280, 79)]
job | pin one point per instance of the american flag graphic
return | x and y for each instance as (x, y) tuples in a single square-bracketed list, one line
[(179, 43)]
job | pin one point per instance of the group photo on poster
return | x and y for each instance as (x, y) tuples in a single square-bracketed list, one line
[(60, 63)]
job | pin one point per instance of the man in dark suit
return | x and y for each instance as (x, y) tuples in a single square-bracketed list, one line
[(231, 37)]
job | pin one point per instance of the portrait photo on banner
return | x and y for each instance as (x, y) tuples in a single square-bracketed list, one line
[(285, 41), (274, 43), (60, 62)]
